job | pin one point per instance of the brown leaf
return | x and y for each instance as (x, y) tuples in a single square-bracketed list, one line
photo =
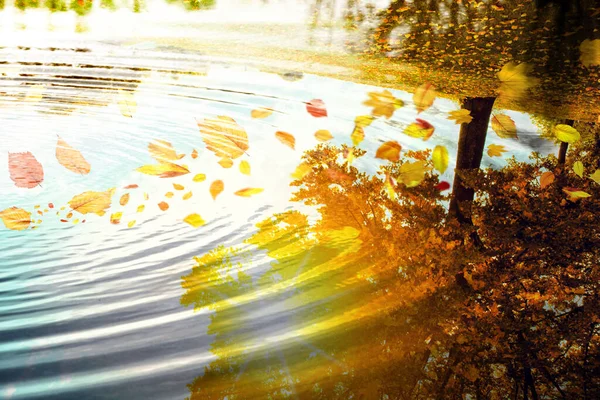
[(71, 159), (25, 170), (546, 179)]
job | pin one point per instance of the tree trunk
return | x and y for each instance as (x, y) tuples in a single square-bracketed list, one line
[(562, 153), (470, 150)]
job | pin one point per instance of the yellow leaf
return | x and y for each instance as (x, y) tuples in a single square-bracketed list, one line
[(504, 126), (146, 197), (15, 218), (363, 121), (131, 224), (514, 81), (245, 167), (116, 218), (163, 206), (286, 138), (247, 192), (440, 158), (420, 129), (384, 103), (35, 93), (358, 135), (424, 97), (124, 199), (566, 133), (127, 103), (164, 170), (413, 173), (261, 112), (199, 178), (71, 159), (226, 162), (590, 52), (224, 137), (216, 188), (495, 150), (461, 116), (389, 151), (187, 195), (323, 135), (575, 194), (141, 208), (194, 220), (163, 151), (389, 187), (301, 171), (578, 168), (169, 195), (596, 176), (92, 202), (177, 186)]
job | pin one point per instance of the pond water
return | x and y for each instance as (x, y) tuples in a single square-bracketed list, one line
[(183, 224)]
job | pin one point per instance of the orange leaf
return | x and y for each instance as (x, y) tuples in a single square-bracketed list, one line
[(424, 97), (163, 206), (124, 199), (177, 186), (389, 151), (15, 218), (247, 192), (286, 138), (216, 188), (261, 112), (71, 159), (194, 154), (25, 170)]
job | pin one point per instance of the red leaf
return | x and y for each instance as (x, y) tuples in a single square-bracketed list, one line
[(316, 108), (443, 185), (131, 186), (25, 170), (50, 205)]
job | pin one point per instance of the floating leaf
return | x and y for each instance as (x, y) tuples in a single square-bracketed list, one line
[(131, 224), (226, 162), (389, 187), (245, 167), (163, 151), (141, 208), (169, 195), (358, 135), (163, 206), (420, 129), (413, 173), (187, 196), (496, 150), (504, 126), (15, 218), (134, 186), (461, 116), (25, 170), (443, 185), (440, 158), (194, 154), (566, 133), (424, 97), (301, 171), (124, 199), (92, 202), (177, 186), (247, 192), (164, 170), (384, 103), (116, 218), (596, 176), (50, 205), (546, 179), (286, 138), (363, 121), (578, 168), (389, 151), (514, 81), (224, 137), (146, 197), (194, 220), (575, 194), (216, 188), (316, 108), (199, 178), (127, 103), (323, 135), (590, 52), (71, 159), (261, 112)]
